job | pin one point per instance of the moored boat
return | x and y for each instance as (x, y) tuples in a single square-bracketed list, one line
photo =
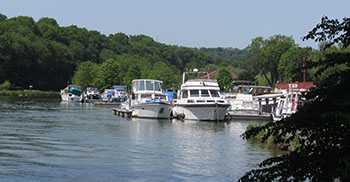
[(199, 99), (148, 101), (72, 93)]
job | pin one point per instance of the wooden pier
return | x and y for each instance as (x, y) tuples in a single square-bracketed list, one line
[(122, 112)]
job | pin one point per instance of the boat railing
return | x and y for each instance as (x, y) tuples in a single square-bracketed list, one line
[(195, 71)]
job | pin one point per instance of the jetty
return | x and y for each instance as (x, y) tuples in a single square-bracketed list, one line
[(122, 112)]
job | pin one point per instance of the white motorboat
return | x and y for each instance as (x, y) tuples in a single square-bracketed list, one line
[(287, 105), (199, 99), (243, 106), (72, 93), (148, 101), (91, 93)]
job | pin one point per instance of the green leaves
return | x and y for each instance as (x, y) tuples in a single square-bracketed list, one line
[(322, 126), (85, 74), (224, 78), (267, 54)]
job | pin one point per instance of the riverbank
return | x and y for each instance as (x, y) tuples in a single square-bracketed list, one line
[(293, 145), (28, 93)]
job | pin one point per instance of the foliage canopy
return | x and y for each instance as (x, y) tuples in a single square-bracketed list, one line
[(323, 127)]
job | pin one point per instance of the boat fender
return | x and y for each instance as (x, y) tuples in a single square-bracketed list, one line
[(181, 116)]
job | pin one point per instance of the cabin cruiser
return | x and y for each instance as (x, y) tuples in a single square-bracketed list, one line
[(91, 93), (120, 94), (148, 101), (244, 106), (287, 105), (199, 99), (72, 93)]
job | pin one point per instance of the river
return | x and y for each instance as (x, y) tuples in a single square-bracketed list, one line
[(46, 140)]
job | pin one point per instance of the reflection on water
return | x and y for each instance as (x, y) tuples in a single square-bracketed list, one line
[(45, 140)]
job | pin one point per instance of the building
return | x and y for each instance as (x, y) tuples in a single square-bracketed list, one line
[(296, 86), (212, 75)]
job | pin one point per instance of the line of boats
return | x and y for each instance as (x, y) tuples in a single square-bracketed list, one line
[(197, 99)]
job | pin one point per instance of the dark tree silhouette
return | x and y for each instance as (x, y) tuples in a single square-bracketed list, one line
[(323, 127)]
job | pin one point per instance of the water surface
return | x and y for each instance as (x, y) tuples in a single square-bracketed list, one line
[(45, 140)]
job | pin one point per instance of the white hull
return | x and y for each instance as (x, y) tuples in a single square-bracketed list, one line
[(71, 98), (152, 110), (249, 114), (201, 112)]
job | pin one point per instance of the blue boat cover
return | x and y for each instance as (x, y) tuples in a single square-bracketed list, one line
[(119, 87), (170, 95)]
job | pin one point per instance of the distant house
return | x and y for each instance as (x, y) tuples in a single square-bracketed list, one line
[(212, 75), (297, 86)]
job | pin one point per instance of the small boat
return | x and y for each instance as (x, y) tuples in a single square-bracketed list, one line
[(199, 99), (243, 106), (120, 94), (91, 94), (72, 93), (287, 105), (148, 101)]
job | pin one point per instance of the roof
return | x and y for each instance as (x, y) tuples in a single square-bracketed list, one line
[(296, 85), (212, 75)]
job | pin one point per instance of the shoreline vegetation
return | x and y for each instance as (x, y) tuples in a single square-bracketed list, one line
[(284, 146), (28, 93)]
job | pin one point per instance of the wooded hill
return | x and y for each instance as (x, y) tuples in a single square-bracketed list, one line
[(45, 55)]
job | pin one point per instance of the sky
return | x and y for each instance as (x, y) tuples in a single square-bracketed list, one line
[(188, 23)]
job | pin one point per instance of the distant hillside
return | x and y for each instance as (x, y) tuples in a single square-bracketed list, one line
[(228, 53), (46, 55)]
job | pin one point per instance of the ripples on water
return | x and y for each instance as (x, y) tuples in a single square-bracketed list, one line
[(45, 140)]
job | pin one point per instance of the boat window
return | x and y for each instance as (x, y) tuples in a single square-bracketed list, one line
[(149, 85), (184, 94), (194, 93), (214, 93), (146, 96), (141, 85), (205, 93), (157, 86)]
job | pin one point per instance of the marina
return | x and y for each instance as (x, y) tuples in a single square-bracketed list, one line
[(44, 139)]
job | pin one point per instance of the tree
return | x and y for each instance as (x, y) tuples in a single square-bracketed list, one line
[(134, 72), (267, 54), (224, 78), (85, 74), (245, 75), (2, 17), (292, 63), (108, 75), (165, 73), (322, 127)]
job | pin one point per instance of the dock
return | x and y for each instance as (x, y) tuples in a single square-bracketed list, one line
[(122, 112), (107, 104)]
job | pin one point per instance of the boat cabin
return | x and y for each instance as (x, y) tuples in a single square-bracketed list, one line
[(200, 91), (148, 90)]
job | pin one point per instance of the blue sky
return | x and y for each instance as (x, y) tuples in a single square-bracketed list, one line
[(189, 23)]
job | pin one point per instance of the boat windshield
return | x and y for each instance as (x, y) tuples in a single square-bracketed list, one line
[(194, 93), (141, 85), (205, 93), (157, 86), (149, 85), (214, 93), (184, 94)]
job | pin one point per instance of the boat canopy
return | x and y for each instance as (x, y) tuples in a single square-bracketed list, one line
[(119, 87), (146, 85)]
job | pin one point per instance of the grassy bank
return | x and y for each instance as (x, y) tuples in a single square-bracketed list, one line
[(293, 145), (28, 93)]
